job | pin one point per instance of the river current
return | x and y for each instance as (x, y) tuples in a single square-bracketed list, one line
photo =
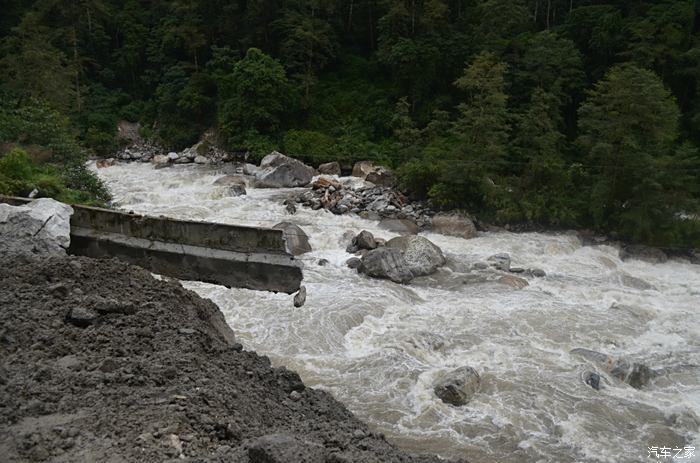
[(378, 346)]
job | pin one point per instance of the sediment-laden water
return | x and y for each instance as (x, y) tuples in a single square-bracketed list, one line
[(378, 346)]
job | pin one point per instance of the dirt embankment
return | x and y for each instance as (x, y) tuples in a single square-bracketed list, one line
[(99, 361)]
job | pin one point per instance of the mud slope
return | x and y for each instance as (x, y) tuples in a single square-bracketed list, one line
[(99, 361)]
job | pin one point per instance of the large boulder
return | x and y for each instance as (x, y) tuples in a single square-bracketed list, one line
[(40, 227), (423, 257), (160, 160), (381, 176), (454, 224), (386, 263), (363, 240), (458, 386), (362, 169), (280, 171), (296, 240), (329, 168)]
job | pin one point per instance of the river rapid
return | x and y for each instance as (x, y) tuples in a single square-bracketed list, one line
[(378, 346)]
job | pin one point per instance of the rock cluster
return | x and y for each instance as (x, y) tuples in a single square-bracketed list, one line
[(400, 259), (139, 150), (635, 374), (370, 202)]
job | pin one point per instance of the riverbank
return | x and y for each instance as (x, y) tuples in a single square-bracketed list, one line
[(104, 362)]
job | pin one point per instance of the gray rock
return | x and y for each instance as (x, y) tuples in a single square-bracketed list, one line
[(329, 168), (300, 297), (454, 224), (160, 160), (645, 253), (201, 160), (228, 180), (422, 255), (81, 316), (382, 177), (538, 272), (592, 379), (635, 374), (388, 263), (172, 156), (323, 262), (291, 208), (296, 240), (40, 227), (500, 261), (365, 240), (458, 387), (280, 171), (236, 190), (513, 281), (353, 263), (362, 168)]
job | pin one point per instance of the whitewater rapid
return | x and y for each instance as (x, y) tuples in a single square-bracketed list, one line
[(378, 346)]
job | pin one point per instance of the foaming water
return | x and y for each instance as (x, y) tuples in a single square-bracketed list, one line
[(378, 346)]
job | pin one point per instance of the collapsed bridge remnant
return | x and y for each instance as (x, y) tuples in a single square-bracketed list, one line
[(228, 255)]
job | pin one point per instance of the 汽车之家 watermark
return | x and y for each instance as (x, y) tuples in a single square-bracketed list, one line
[(675, 453)]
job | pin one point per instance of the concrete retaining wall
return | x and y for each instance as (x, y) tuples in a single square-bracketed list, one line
[(229, 255)]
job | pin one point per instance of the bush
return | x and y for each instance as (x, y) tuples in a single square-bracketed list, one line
[(310, 146)]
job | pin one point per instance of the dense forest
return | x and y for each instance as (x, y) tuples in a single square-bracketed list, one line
[(561, 113)]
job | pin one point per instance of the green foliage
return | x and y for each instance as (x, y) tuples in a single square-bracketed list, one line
[(310, 146), (253, 96)]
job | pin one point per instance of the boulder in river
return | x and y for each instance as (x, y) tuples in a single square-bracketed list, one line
[(500, 261), (236, 190), (280, 171), (645, 253), (160, 160), (40, 227), (635, 374), (386, 263), (458, 386), (513, 281), (454, 224), (363, 240), (227, 180), (296, 240), (353, 263), (300, 297), (421, 254), (329, 168)]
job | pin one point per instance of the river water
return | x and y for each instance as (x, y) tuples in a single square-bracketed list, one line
[(378, 346)]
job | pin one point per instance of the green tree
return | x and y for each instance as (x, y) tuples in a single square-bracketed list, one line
[(253, 97), (629, 123)]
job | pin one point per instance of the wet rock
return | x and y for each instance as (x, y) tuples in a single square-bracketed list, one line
[(513, 281), (236, 190), (354, 263), (300, 297), (592, 379), (645, 253), (172, 156), (330, 168), (454, 224), (422, 255), (500, 261), (363, 240), (458, 387), (283, 448), (635, 374), (387, 263), (323, 262), (290, 208), (400, 226), (41, 227), (537, 272), (280, 171), (296, 240)]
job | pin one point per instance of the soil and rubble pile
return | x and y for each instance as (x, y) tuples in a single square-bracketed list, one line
[(100, 361)]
